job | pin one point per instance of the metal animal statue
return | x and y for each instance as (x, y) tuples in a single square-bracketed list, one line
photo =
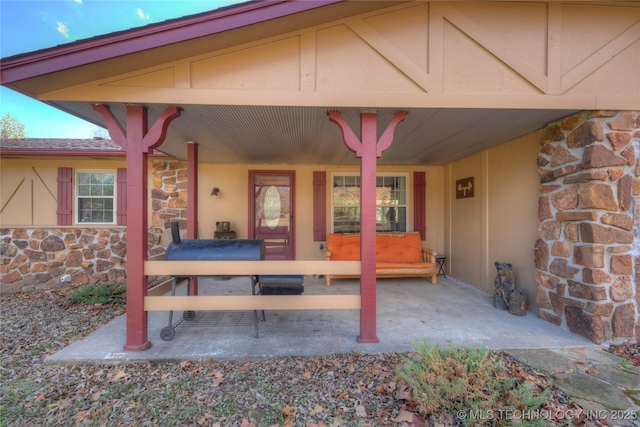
[(506, 296)]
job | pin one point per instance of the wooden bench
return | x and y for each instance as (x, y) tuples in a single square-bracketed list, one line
[(397, 255)]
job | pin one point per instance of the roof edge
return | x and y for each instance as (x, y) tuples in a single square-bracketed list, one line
[(100, 48), (9, 152)]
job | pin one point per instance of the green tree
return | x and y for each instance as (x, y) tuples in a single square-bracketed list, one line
[(10, 127), (98, 132)]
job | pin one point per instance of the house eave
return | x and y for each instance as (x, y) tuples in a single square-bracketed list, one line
[(102, 154), (101, 48)]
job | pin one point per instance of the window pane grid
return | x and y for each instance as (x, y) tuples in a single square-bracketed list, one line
[(95, 197), (391, 200)]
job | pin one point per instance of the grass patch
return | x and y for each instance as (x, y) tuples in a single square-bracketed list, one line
[(461, 380), (99, 293), (626, 365)]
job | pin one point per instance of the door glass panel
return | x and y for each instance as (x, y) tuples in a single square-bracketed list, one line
[(272, 207)]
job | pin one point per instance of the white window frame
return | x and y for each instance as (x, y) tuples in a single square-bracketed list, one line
[(385, 174), (78, 196)]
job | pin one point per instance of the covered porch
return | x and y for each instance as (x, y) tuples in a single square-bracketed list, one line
[(452, 312), (474, 84)]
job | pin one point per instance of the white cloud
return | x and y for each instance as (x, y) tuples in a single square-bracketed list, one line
[(78, 1), (63, 29), (142, 15)]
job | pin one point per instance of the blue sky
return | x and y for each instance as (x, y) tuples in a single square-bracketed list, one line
[(26, 26)]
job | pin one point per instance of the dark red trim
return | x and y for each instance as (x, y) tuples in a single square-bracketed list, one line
[(8, 152), (121, 205), (158, 132), (292, 219), (115, 129), (24, 66), (137, 227), (319, 206), (65, 196), (368, 149), (192, 202), (192, 190), (137, 143), (419, 203)]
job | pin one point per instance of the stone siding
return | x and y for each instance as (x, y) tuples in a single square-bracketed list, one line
[(36, 258), (588, 253), (168, 200)]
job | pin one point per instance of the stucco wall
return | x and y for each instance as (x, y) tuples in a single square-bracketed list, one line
[(499, 223), (467, 246), (86, 252), (419, 54), (35, 252), (512, 207), (28, 194), (232, 202)]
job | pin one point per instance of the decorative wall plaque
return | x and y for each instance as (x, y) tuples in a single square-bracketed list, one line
[(464, 188)]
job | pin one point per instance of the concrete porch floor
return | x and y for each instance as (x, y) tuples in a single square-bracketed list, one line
[(408, 310)]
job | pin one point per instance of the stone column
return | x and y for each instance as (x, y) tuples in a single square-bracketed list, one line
[(588, 252), (169, 199)]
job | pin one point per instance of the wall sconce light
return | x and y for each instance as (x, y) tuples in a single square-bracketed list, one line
[(215, 191)]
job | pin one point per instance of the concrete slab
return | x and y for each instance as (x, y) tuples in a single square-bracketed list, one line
[(597, 380), (408, 310)]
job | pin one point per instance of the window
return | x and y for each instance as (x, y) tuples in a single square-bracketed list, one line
[(391, 203), (95, 197)]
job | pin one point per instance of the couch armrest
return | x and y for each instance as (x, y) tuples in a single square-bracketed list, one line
[(429, 255), (327, 256)]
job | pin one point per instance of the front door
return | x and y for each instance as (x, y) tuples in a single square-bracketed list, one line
[(272, 212)]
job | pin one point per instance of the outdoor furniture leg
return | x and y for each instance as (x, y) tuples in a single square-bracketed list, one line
[(168, 332), (255, 312)]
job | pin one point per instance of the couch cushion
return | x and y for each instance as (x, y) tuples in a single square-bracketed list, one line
[(402, 248), (344, 248)]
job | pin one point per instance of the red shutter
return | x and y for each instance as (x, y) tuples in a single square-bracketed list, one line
[(419, 203), (65, 196), (319, 206), (121, 204)]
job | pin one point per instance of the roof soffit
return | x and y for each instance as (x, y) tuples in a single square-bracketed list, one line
[(267, 126)]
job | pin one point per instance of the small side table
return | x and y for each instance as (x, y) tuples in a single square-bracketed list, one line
[(440, 259)]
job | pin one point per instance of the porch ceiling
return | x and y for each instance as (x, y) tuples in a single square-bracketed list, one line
[(304, 135)]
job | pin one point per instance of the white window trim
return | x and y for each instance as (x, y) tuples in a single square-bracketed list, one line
[(76, 196), (407, 205)]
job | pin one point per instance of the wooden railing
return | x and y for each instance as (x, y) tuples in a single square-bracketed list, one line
[(157, 301)]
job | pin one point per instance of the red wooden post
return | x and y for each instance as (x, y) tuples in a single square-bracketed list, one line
[(137, 229), (419, 204), (192, 201), (319, 206), (368, 150), (138, 141)]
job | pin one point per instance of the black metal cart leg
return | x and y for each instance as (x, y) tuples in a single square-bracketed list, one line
[(255, 312), (168, 332), (188, 314)]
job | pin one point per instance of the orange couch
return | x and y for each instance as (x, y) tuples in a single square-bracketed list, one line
[(397, 254)]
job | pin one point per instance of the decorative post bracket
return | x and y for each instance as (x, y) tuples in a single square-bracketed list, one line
[(368, 149), (368, 131), (152, 138), (137, 141)]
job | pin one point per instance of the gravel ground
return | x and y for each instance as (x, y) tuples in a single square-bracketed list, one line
[(339, 390)]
